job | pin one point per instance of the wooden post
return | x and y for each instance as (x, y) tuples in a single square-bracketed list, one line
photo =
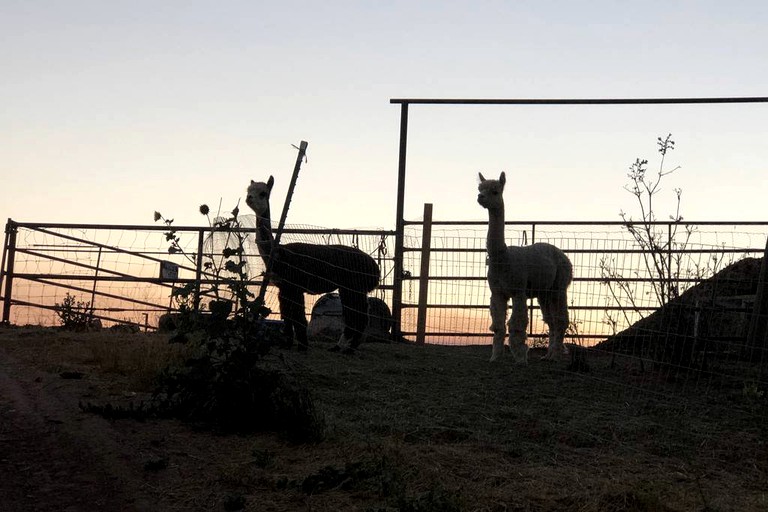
[(426, 247), (95, 282), (9, 251), (758, 325)]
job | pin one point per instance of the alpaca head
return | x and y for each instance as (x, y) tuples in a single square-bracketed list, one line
[(491, 192), (258, 196)]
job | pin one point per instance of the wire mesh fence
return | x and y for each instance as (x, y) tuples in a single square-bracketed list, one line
[(619, 302), (127, 274), (700, 338), (695, 315)]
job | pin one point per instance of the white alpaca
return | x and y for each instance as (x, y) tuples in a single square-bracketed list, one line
[(518, 273)]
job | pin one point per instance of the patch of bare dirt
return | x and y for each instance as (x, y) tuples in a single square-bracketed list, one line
[(408, 428), (55, 458)]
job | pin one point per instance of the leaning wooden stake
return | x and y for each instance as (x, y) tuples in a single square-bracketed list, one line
[(296, 168)]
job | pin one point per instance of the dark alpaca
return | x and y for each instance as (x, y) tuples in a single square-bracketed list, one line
[(299, 268)]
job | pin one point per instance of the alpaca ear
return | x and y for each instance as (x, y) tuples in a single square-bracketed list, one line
[(482, 179), (502, 178), (253, 182), (270, 182)]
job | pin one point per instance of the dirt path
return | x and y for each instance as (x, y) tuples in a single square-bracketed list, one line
[(47, 455)]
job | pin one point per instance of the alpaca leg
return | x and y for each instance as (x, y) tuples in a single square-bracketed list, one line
[(286, 303), (554, 308), (498, 324), (354, 307), (518, 327), (293, 314), (300, 322)]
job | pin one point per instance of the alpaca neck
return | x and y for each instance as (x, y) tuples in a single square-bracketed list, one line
[(495, 244), (264, 238)]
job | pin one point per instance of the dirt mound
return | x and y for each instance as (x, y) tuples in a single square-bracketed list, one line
[(712, 315)]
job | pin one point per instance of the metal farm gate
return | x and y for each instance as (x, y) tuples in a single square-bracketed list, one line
[(125, 274)]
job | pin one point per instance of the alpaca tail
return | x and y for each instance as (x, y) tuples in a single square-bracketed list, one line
[(564, 274), (353, 269), (373, 278), (370, 274)]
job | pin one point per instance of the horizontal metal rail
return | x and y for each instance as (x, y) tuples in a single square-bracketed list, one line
[(543, 336), (608, 251), (128, 279), (98, 293), (196, 229), (583, 101), (589, 223), (100, 317)]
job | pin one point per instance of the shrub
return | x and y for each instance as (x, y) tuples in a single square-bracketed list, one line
[(229, 382), (74, 315), (233, 385)]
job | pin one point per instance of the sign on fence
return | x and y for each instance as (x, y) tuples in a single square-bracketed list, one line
[(169, 271)]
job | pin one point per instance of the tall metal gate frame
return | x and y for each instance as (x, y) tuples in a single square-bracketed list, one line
[(397, 305)]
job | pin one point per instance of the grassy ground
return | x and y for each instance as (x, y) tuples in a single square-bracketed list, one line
[(437, 428)]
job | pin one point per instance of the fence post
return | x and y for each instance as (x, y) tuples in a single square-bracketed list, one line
[(95, 281), (426, 247), (397, 279), (531, 301), (198, 268), (669, 263), (9, 251), (758, 325)]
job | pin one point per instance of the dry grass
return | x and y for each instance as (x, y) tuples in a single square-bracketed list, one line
[(135, 358), (439, 428)]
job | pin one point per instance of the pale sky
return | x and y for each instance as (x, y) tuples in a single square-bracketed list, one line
[(112, 110)]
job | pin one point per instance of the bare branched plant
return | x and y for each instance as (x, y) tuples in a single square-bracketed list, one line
[(661, 261), (662, 243), (664, 257)]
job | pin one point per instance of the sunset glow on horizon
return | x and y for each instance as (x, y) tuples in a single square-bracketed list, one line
[(113, 111)]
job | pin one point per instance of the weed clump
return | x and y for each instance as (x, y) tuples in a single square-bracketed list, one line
[(74, 315), (232, 384), (229, 382)]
